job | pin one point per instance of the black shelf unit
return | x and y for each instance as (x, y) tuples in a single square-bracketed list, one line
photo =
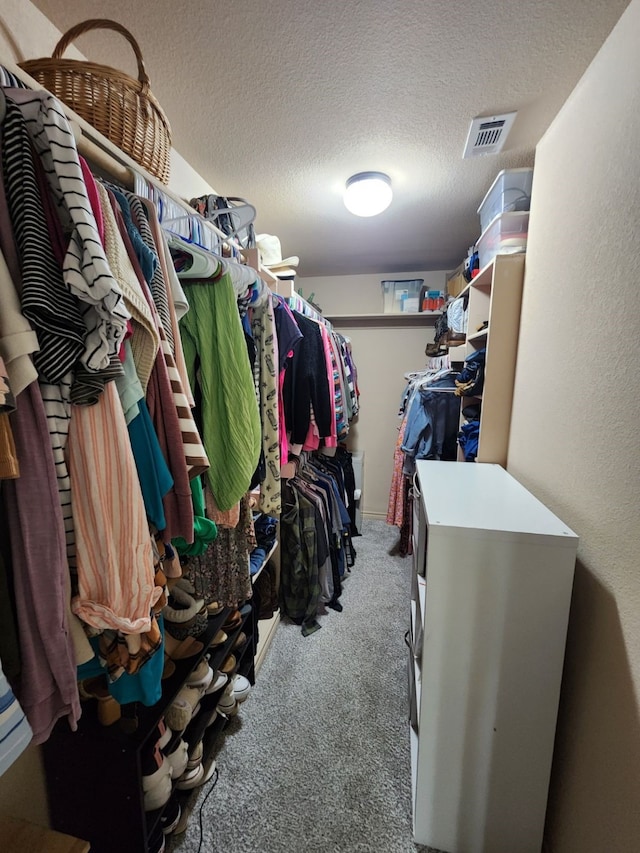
[(94, 774)]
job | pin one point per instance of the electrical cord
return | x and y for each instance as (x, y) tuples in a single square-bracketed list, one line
[(214, 782), (514, 205)]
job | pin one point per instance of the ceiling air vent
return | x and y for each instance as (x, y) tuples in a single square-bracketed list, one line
[(488, 134)]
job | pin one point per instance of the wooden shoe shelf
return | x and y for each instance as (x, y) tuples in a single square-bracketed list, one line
[(94, 774)]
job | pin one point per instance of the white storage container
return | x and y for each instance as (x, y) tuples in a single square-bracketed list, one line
[(509, 193), (506, 235), (399, 297)]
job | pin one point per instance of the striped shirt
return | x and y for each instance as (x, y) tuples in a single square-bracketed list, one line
[(86, 272), (192, 453), (52, 311), (15, 731), (157, 285)]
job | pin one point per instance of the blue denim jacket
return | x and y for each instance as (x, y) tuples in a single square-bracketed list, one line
[(432, 423)]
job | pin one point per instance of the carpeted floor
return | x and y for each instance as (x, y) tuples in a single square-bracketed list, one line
[(318, 759)]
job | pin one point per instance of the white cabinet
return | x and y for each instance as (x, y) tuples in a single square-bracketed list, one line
[(488, 629)]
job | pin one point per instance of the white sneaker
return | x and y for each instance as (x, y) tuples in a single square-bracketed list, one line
[(228, 704), (178, 759), (190, 779), (201, 677), (157, 787), (241, 687), (218, 682), (195, 757)]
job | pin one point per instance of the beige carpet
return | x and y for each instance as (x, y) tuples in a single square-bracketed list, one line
[(318, 760)]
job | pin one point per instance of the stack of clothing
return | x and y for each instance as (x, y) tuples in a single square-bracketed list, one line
[(266, 528)]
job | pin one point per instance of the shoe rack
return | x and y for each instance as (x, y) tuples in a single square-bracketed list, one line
[(93, 775)]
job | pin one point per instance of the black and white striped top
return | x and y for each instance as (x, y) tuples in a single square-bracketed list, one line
[(86, 272), (53, 312)]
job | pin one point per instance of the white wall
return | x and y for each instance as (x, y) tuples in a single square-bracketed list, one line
[(382, 356), (574, 434), (359, 294)]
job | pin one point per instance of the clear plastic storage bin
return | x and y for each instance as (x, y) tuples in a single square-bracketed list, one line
[(401, 297), (506, 235), (509, 193)]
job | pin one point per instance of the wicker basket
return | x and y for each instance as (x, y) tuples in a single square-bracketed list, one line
[(120, 107)]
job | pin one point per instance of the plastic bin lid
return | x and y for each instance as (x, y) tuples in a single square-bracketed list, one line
[(497, 178), (512, 216)]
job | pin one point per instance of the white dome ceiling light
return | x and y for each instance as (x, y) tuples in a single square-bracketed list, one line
[(368, 193)]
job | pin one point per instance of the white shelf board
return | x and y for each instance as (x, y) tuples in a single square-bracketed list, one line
[(483, 279), (267, 629), (418, 318), (478, 336)]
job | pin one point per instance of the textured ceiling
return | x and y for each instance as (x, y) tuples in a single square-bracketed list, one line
[(280, 102)]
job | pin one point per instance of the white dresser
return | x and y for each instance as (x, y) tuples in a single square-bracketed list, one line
[(491, 589)]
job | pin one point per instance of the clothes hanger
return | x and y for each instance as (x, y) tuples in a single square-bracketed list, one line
[(204, 263)]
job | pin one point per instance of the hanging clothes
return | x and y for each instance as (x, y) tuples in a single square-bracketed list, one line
[(110, 521), (222, 572), (264, 331), (316, 549), (74, 430), (18, 341), (306, 385), (433, 415), (396, 505), (216, 358), (51, 309), (288, 336), (46, 688), (145, 338), (85, 268)]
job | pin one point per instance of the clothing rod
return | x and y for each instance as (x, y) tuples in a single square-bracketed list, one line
[(112, 159), (100, 158)]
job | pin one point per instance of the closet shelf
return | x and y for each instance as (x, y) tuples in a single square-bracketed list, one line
[(495, 297), (478, 336), (423, 318), (483, 279), (109, 158), (255, 577)]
